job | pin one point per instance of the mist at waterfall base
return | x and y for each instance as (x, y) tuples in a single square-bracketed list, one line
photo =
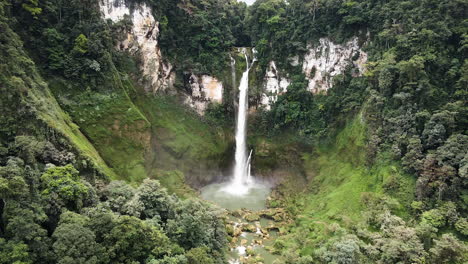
[(248, 2), (242, 191)]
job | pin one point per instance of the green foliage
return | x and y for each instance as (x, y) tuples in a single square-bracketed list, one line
[(70, 39), (187, 224), (199, 256), (313, 116), (448, 249), (32, 113), (298, 109), (344, 251), (81, 45), (31, 6), (462, 226), (155, 201), (65, 183), (13, 252), (76, 243), (434, 218), (196, 35), (131, 239), (23, 224), (218, 114), (12, 183), (38, 230), (55, 49), (195, 225), (178, 259), (118, 194)]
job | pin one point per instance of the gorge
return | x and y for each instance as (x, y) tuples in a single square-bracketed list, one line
[(219, 131)]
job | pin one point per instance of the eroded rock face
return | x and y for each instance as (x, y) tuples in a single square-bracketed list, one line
[(323, 61), (326, 59), (212, 88), (274, 85), (204, 89), (142, 39)]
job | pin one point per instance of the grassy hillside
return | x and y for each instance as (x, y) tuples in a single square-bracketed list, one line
[(113, 124), (182, 139), (138, 133), (28, 108), (340, 177), (340, 185)]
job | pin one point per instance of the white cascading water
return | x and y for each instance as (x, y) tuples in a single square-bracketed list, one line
[(242, 191), (241, 181)]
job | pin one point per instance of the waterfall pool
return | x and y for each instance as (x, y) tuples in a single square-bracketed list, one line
[(243, 191), (254, 198)]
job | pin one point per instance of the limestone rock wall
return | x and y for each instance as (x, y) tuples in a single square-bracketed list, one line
[(204, 89), (142, 41), (321, 63), (274, 84), (326, 59)]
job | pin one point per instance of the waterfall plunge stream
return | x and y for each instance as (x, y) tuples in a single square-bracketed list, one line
[(242, 190), (242, 181)]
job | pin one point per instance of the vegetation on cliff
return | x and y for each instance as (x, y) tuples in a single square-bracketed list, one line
[(381, 158), (378, 186), (57, 204)]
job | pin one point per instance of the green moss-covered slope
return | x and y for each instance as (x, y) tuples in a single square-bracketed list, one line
[(183, 140), (115, 126), (339, 177), (28, 108)]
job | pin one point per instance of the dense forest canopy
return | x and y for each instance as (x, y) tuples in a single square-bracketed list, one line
[(406, 117), (413, 98)]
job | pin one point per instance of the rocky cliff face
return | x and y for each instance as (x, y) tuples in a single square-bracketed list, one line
[(203, 90), (326, 59), (142, 40), (158, 74), (321, 63), (274, 84)]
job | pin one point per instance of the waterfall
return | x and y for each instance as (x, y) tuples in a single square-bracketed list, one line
[(233, 70), (249, 179), (241, 180)]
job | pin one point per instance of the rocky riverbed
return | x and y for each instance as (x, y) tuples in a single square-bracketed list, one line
[(253, 233)]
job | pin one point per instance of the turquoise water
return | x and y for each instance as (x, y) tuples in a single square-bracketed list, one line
[(254, 199)]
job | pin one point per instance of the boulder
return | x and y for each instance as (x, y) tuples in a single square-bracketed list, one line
[(252, 217), (249, 228)]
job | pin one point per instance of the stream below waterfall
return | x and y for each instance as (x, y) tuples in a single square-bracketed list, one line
[(244, 196), (251, 239)]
